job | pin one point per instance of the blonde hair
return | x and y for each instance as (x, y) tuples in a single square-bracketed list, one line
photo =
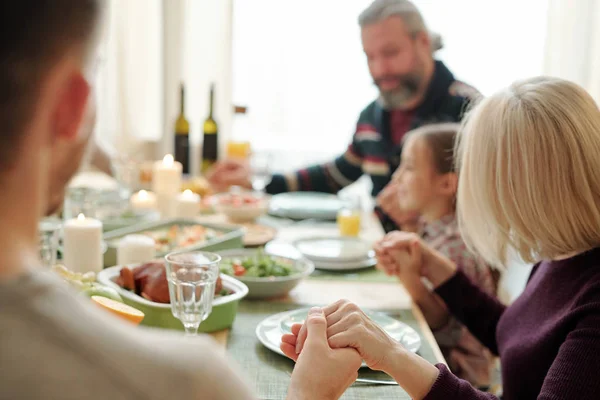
[(529, 165)]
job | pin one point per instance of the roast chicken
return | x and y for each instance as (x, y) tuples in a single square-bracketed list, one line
[(150, 282)]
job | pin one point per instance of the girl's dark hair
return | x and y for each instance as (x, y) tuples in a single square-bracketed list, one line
[(440, 138)]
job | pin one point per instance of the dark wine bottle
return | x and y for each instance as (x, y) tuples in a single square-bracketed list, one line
[(210, 144), (182, 136)]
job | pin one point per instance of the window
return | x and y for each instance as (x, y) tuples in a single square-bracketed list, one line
[(300, 69)]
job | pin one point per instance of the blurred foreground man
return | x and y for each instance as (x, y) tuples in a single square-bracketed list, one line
[(54, 344)]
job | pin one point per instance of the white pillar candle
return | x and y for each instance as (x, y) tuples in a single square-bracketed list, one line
[(167, 176), (187, 205), (143, 200), (134, 249), (166, 204), (83, 244), (166, 183)]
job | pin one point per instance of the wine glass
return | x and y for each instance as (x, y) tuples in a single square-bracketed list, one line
[(192, 278), (260, 171)]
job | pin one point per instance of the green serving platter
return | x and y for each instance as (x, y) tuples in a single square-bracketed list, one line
[(231, 238), (159, 315)]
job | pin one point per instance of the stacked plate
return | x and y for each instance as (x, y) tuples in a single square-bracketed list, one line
[(305, 205), (337, 253)]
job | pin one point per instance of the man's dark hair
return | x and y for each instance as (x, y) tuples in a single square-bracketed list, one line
[(35, 34)]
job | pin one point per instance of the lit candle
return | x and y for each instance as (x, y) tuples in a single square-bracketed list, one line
[(134, 249), (143, 200), (83, 244), (167, 176), (188, 205), (166, 183)]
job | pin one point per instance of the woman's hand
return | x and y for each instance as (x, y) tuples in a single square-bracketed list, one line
[(321, 372)]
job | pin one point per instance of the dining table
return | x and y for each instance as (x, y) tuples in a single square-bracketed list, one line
[(268, 372), (370, 289)]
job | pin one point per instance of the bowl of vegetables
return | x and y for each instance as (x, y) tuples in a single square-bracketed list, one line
[(266, 275)]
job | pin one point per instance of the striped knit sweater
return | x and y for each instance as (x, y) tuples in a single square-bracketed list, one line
[(377, 143), (375, 148)]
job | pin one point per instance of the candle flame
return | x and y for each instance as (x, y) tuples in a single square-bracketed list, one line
[(81, 217), (188, 193), (168, 160)]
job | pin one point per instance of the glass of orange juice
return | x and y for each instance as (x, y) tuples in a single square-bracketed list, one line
[(348, 218), (238, 149)]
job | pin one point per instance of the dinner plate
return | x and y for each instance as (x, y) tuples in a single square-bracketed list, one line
[(270, 330), (335, 249), (305, 205), (345, 265)]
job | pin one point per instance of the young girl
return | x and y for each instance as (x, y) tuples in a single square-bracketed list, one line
[(427, 185)]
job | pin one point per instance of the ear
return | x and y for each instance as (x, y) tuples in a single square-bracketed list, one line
[(70, 106), (423, 41), (448, 184)]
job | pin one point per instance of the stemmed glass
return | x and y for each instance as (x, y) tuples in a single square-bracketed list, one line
[(260, 171), (192, 278)]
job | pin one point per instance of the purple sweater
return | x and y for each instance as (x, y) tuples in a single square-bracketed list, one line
[(548, 339)]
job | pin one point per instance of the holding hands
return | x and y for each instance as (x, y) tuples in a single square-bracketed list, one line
[(321, 371), (329, 352), (347, 327)]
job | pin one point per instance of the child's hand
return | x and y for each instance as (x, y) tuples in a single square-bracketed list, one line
[(402, 251), (385, 262)]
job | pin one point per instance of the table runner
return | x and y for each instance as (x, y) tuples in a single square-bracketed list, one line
[(269, 372), (370, 275)]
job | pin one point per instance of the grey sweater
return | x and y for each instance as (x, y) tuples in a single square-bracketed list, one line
[(54, 345)]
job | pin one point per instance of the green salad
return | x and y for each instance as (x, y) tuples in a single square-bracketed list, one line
[(257, 266)]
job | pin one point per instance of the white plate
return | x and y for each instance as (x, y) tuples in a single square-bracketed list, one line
[(270, 330), (305, 205), (334, 249), (345, 265)]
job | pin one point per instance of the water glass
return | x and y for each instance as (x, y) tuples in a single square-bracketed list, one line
[(49, 233), (260, 170), (192, 279), (80, 200)]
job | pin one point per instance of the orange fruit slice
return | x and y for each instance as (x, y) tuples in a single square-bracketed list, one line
[(124, 311)]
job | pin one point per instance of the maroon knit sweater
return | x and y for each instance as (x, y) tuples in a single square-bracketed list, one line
[(548, 339)]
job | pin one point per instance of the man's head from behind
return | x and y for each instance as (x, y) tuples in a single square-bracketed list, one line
[(399, 49), (47, 53)]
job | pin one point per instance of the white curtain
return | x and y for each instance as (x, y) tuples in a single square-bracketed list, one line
[(573, 43), (149, 48)]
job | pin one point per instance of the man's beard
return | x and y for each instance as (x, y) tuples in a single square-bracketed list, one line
[(407, 89)]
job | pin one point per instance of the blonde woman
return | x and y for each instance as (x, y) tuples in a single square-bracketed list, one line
[(529, 163)]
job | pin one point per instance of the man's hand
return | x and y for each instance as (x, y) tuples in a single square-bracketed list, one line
[(227, 173), (388, 201)]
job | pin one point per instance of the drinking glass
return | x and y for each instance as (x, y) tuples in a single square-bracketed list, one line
[(80, 200), (192, 277), (126, 171), (349, 216), (260, 170), (49, 232)]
